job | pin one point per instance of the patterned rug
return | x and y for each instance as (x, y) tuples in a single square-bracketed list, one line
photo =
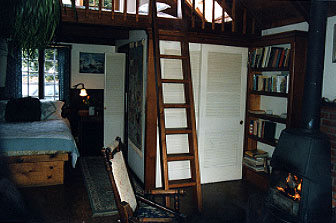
[(98, 186)]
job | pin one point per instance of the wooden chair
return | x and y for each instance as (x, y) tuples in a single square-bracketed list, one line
[(133, 207)]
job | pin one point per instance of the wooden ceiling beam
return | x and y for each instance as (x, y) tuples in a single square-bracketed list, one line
[(303, 10), (91, 34)]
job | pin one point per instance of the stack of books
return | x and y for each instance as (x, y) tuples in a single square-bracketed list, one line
[(263, 129), (256, 160)]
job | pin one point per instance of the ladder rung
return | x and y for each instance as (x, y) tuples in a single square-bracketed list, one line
[(176, 106), (180, 156), (171, 131), (181, 183), (174, 81), (165, 56)]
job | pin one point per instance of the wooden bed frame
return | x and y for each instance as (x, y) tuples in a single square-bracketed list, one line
[(37, 170)]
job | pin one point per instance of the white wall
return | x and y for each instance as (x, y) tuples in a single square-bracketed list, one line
[(303, 26), (91, 81), (329, 74), (136, 157)]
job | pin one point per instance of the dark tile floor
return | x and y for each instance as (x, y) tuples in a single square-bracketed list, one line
[(223, 202)]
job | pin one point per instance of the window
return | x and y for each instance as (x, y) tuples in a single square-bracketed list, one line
[(30, 74), (208, 10), (51, 80), (40, 73)]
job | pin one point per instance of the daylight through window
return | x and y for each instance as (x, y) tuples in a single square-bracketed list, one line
[(31, 73)]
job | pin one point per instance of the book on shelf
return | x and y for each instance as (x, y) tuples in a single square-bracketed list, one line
[(257, 111), (282, 57), (278, 83), (270, 57), (256, 57), (256, 153), (256, 160), (266, 56), (287, 56), (255, 168), (269, 130), (282, 83), (263, 129)]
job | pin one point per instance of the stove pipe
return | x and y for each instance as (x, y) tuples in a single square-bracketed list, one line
[(315, 63)]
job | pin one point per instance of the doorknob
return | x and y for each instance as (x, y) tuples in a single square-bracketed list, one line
[(241, 122)]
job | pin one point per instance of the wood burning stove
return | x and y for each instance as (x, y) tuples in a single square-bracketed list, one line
[(300, 183)]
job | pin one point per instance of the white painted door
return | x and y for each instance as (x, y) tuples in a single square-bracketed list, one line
[(114, 97), (221, 110)]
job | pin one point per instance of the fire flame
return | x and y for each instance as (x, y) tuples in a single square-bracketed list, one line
[(293, 183)]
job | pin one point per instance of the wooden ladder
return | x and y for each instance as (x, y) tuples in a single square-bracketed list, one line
[(190, 130)]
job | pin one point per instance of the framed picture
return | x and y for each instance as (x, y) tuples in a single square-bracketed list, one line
[(334, 46), (93, 63)]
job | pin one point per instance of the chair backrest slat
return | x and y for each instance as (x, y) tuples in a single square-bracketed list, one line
[(122, 180)]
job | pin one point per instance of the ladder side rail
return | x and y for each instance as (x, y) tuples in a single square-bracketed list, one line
[(160, 107), (191, 120)]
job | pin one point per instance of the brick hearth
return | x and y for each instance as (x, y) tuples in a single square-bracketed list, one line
[(328, 126)]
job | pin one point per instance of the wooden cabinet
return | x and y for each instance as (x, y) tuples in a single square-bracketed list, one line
[(90, 133), (276, 71)]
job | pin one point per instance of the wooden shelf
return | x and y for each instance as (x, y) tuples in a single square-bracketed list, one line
[(256, 100), (269, 69), (274, 118), (267, 93), (259, 179), (265, 141)]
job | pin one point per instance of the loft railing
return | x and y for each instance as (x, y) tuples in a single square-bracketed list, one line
[(203, 14)]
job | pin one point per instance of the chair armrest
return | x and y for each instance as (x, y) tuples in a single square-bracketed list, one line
[(175, 193), (126, 211), (165, 192)]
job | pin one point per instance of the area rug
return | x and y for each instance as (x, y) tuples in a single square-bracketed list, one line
[(98, 186)]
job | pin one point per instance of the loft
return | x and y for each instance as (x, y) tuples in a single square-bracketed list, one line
[(219, 21)]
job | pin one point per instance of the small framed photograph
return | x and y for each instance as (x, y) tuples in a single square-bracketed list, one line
[(334, 46), (93, 63)]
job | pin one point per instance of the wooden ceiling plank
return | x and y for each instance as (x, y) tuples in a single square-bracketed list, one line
[(255, 15), (301, 9)]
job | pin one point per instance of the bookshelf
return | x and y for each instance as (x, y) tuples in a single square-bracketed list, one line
[(276, 72)]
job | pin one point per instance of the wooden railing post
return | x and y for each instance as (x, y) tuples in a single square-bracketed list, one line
[(223, 14), (136, 10), (112, 9), (150, 11), (253, 25), (99, 8), (213, 15), (125, 10), (233, 16), (203, 16), (62, 7), (193, 18), (86, 3)]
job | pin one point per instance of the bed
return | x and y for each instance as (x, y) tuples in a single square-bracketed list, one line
[(37, 149)]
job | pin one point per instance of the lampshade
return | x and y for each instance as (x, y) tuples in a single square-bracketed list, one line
[(83, 92)]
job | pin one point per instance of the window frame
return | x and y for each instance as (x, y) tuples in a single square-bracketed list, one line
[(41, 75)]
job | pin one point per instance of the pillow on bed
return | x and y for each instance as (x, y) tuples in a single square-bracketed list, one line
[(23, 110), (160, 6), (51, 110), (3, 105)]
